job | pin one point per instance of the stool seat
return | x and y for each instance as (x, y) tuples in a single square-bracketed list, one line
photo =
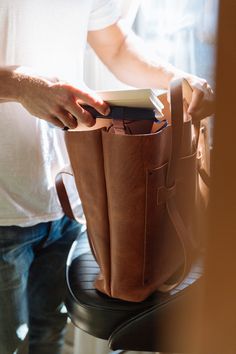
[(116, 320)]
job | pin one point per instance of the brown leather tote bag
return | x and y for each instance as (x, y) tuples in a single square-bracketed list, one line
[(139, 194)]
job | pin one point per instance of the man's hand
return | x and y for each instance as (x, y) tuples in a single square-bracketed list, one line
[(198, 97), (202, 102), (58, 103), (50, 99)]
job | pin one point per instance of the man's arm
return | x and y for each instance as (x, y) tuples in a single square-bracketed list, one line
[(55, 102), (124, 54)]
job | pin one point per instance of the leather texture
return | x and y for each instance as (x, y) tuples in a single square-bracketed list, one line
[(139, 194)]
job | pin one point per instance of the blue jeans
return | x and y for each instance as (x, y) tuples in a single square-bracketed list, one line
[(32, 286)]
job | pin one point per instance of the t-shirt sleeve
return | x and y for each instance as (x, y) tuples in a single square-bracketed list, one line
[(104, 13)]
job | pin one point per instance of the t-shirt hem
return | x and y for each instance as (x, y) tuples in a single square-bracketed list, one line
[(31, 220)]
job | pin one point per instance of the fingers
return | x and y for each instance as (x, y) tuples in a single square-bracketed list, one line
[(205, 110), (56, 122), (185, 111), (67, 119), (81, 114), (92, 100), (202, 103), (70, 109), (197, 97)]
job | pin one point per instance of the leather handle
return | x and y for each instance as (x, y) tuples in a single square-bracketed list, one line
[(177, 113), (62, 194), (177, 123)]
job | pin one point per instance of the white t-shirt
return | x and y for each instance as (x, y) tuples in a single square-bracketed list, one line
[(50, 37)]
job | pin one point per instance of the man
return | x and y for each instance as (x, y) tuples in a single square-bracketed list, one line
[(39, 41)]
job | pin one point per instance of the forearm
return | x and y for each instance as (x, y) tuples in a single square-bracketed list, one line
[(129, 59), (19, 82), (137, 70), (126, 56), (9, 84), (132, 65)]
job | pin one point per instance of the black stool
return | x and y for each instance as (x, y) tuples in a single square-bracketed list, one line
[(156, 324)]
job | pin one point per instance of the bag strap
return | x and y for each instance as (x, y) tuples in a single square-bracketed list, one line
[(176, 99), (62, 194), (184, 235), (119, 126)]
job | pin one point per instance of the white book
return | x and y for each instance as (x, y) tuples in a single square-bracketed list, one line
[(139, 98)]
